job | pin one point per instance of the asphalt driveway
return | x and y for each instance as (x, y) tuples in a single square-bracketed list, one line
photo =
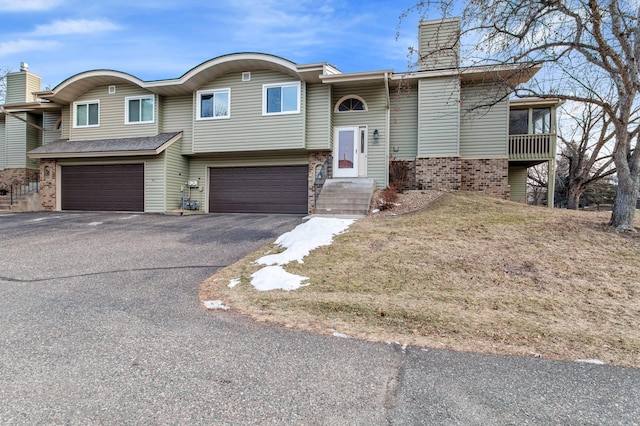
[(100, 324)]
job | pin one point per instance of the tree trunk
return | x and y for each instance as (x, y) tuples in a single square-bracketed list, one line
[(624, 207), (573, 200)]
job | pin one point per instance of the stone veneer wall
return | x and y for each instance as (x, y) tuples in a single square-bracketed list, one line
[(441, 173), (47, 185), (489, 176), (316, 158)]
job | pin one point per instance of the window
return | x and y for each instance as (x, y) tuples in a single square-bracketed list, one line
[(519, 122), (351, 103), (541, 120), (139, 109), (214, 104), (281, 98), (86, 114)]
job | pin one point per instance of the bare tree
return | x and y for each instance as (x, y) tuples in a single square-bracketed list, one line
[(584, 157), (590, 52), (3, 85), (537, 184)]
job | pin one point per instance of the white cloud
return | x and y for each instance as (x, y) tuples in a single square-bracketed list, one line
[(27, 5), (75, 26), (17, 46)]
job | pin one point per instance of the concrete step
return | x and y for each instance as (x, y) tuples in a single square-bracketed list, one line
[(345, 197)]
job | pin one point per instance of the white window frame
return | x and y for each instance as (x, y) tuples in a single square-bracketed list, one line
[(75, 114), (213, 92), (134, 98), (265, 87)]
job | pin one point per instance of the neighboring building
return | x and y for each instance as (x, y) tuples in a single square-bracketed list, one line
[(248, 132)]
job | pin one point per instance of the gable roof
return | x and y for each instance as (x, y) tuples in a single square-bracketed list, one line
[(63, 148)]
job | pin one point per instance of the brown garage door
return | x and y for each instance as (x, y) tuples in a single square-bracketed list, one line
[(281, 189), (114, 187)]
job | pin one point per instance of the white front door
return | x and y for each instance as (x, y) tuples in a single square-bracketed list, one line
[(346, 152)]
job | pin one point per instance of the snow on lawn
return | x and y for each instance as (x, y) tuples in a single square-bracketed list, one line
[(317, 232)]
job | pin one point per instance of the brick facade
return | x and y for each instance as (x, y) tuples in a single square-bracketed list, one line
[(14, 176), (47, 185), (441, 173), (489, 176)]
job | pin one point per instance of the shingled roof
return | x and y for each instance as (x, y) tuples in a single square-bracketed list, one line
[(149, 145)]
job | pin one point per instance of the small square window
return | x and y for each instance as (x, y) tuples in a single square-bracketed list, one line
[(214, 104)]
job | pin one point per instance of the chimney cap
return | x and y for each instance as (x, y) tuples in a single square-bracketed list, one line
[(24, 66)]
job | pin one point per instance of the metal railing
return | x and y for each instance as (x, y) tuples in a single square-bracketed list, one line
[(532, 147), (322, 173), (20, 188)]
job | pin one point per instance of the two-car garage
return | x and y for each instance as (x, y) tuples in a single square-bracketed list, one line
[(265, 189), (110, 187)]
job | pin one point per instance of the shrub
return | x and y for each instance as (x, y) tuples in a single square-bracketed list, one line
[(387, 198), (398, 174)]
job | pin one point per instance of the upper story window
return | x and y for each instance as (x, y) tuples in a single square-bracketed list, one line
[(283, 98), (351, 103), (86, 114), (139, 109), (213, 104), (530, 121)]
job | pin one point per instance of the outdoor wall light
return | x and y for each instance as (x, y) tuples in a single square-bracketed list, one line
[(376, 135)]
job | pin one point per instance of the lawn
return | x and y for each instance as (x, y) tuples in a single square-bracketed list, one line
[(468, 273)]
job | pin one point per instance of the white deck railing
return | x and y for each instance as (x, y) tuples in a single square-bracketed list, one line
[(532, 147)]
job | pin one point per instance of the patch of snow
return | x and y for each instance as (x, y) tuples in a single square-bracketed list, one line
[(95, 223), (276, 278), (591, 361), (234, 282), (375, 211), (340, 335), (215, 304), (299, 242)]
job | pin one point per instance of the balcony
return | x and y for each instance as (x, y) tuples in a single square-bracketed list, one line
[(538, 147)]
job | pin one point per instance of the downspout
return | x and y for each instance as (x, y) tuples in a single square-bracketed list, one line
[(388, 128)]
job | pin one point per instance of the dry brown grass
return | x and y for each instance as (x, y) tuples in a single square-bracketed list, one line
[(468, 273)]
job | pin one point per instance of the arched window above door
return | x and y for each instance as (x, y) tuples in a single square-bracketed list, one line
[(351, 103)]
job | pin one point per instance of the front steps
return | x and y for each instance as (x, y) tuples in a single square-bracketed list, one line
[(345, 197)]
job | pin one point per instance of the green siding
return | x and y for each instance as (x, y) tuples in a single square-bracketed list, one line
[(66, 121), (438, 41), (16, 88), (177, 115), (49, 122), (177, 173), (112, 115), (518, 184), (3, 143), (34, 139), (247, 129), (483, 130), (318, 116), (16, 132), (438, 117), (404, 123), (34, 84)]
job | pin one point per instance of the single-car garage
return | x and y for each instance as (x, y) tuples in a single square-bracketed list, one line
[(272, 189), (111, 187)]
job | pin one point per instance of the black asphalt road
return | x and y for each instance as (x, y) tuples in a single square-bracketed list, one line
[(100, 324)]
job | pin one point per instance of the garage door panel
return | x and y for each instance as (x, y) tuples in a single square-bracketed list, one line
[(113, 187), (276, 189)]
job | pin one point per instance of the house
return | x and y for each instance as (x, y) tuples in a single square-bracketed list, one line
[(249, 132)]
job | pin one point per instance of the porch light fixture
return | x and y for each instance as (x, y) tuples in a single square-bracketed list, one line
[(376, 135)]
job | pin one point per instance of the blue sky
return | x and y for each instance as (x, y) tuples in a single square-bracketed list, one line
[(160, 39)]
